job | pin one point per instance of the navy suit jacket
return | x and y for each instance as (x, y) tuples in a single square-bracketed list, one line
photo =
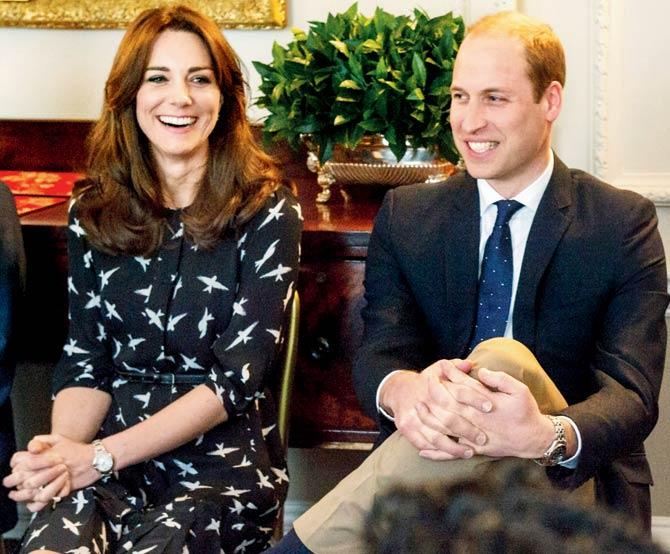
[(590, 305), (12, 266)]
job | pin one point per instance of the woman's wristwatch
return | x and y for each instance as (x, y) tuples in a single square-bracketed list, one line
[(103, 461)]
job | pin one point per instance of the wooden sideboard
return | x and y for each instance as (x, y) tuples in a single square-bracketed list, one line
[(325, 411)]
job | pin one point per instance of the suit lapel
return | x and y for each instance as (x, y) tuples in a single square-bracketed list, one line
[(461, 260), (552, 219)]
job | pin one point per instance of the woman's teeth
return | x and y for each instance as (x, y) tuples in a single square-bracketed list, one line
[(176, 121)]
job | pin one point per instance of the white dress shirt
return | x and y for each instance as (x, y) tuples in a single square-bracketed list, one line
[(519, 224)]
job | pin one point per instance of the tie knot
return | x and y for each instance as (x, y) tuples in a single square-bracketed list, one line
[(506, 209)]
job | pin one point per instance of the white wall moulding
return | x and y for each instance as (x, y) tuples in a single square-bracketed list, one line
[(599, 102), (655, 186), (630, 115)]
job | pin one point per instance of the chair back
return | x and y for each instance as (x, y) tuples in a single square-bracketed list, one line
[(284, 387)]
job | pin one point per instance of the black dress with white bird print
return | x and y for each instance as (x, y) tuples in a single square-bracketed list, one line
[(184, 310)]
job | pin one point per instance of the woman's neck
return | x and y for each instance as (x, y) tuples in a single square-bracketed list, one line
[(180, 181)]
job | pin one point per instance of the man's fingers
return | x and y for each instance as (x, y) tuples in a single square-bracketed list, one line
[(437, 455), (500, 381), (445, 422), (428, 419), (464, 388), (445, 437), (462, 365)]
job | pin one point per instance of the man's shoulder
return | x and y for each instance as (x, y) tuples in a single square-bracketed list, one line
[(426, 198), (590, 189), (591, 198)]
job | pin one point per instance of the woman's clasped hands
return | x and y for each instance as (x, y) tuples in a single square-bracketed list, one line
[(50, 468)]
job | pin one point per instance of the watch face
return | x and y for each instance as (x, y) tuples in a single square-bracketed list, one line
[(558, 455), (102, 460), (104, 463)]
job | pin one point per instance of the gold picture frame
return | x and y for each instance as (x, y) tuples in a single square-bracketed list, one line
[(116, 14)]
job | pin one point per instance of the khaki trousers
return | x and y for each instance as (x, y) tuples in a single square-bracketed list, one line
[(334, 525)]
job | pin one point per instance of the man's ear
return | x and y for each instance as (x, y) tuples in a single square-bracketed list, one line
[(553, 98)]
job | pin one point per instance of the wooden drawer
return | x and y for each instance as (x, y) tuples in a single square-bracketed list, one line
[(325, 409)]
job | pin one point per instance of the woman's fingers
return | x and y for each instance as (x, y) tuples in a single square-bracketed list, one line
[(35, 462), (48, 493), (43, 477), (21, 495)]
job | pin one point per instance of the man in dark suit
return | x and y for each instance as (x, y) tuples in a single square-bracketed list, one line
[(586, 293), (12, 267), (590, 291)]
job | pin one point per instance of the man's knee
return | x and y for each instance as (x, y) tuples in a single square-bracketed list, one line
[(514, 358), (503, 354)]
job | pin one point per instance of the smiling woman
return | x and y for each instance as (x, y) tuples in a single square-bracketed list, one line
[(183, 251)]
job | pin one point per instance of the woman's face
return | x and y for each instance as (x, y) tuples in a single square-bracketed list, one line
[(178, 103)]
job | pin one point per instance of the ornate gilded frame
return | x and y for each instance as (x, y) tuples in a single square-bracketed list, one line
[(115, 14)]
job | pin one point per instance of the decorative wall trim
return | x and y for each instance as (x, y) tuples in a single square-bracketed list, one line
[(655, 186), (600, 97), (608, 156)]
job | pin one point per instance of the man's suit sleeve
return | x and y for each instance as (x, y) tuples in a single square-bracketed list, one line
[(628, 357), (395, 335), (11, 283), (11, 274)]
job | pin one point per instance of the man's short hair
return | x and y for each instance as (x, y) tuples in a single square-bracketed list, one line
[(544, 51), (505, 506)]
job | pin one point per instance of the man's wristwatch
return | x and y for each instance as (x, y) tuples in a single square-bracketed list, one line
[(103, 461), (555, 454)]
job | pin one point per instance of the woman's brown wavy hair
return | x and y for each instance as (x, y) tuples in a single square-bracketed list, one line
[(121, 204)]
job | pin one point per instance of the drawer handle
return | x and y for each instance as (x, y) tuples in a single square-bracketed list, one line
[(320, 349)]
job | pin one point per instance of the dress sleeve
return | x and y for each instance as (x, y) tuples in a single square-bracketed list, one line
[(268, 254), (85, 361)]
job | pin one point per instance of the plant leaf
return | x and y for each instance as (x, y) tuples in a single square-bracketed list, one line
[(419, 69), (350, 84), (340, 46)]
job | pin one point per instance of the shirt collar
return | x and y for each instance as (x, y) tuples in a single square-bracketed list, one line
[(530, 196)]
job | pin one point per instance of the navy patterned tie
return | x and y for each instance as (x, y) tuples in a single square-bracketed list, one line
[(495, 281)]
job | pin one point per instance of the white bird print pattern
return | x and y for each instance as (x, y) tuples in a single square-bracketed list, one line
[(211, 283), (182, 310), (204, 321)]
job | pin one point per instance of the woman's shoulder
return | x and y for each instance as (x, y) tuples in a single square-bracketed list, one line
[(279, 204)]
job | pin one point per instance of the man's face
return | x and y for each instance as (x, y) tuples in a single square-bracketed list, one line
[(502, 133)]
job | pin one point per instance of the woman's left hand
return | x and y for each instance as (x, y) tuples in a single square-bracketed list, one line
[(39, 476), (77, 456)]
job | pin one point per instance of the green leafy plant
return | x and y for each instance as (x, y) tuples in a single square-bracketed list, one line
[(354, 75)]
